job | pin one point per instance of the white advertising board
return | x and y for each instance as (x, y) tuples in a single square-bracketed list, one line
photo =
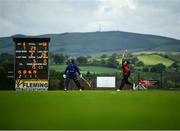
[(106, 81)]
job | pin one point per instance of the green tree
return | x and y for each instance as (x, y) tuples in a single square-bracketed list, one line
[(103, 62), (6, 83), (89, 57), (82, 60), (112, 61), (104, 56), (174, 66), (134, 60), (2, 78), (6, 57), (8, 65), (59, 58), (140, 63), (158, 68), (114, 55)]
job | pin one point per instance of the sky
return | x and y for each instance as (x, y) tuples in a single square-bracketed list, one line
[(35, 17)]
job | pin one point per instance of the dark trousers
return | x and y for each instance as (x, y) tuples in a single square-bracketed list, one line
[(76, 81), (125, 81)]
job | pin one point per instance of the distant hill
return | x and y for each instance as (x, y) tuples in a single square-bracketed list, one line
[(100, 42)]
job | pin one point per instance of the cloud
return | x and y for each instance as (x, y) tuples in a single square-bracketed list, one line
[(160, 17), (151, 17)]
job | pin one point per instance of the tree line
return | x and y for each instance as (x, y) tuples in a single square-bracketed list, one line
[(114, 61)]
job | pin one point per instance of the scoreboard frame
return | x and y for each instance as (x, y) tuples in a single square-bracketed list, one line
[(34, 83)]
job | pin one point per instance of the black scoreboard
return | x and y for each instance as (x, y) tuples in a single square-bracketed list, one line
[(31, 63)]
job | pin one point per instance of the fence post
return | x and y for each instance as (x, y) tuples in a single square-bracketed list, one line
[(175, 85), (161, 74), (116, 80), (138, 77), (94, 80)]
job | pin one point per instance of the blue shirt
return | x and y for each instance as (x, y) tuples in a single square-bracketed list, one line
[(71, 70)]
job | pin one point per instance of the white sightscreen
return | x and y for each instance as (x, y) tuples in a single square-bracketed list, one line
[(106, 81)]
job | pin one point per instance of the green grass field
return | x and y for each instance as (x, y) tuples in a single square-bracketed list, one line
[(152, 59), (90, 110), (85, 69)]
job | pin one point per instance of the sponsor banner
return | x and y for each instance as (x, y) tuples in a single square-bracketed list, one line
[(109, 82), (31, 84)]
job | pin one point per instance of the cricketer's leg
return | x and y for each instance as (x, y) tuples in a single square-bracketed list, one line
[(127, 82), (77, 82), (131, 84), (122, 83), (66, 83)]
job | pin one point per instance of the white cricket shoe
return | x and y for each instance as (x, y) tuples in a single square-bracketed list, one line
[(65, 89), (134, 86), (80, 89), (118, 90)]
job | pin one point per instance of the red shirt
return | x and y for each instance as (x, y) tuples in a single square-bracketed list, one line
[(125, 69)]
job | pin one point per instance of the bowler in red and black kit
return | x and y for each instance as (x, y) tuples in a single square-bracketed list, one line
[(126, 74)]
